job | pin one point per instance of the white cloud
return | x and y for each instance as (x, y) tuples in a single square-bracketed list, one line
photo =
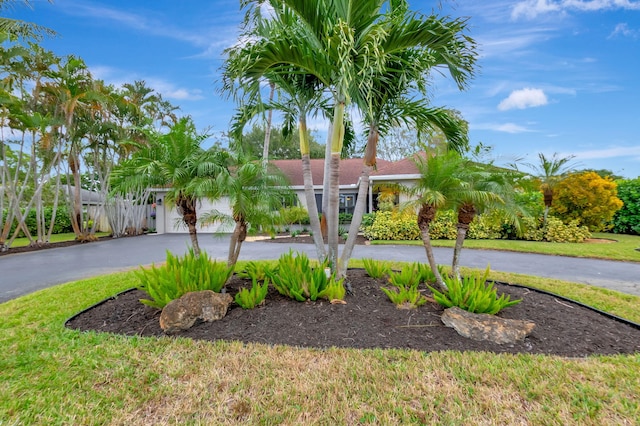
[(523, 98), (532, 8), (624, 31), (612, 152), (501, 127)]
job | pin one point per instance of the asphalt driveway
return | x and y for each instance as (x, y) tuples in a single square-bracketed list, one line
[(23, 273)]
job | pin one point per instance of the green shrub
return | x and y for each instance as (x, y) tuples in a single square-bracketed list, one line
[(627, 219), (250, 298), (181, 275), (293, 277), (488, 226), (408, 277), (473, 294), (424, 272), (405, 298), (405, 293), (376, 268), (443, 227), (344, 218), (294, 215), (393, 225), (333, 291), (255, 271), (558, 232), (61, 225)]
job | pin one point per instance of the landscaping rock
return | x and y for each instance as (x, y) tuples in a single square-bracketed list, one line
[(486, 327), (182, 313)]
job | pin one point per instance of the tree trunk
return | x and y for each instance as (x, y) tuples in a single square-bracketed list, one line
[(267, 131), (187, 207), (425, 216), (466, 213), (334, 184), (461, 234), (368, 165), (237, 238), (326, 182), (309, 192)]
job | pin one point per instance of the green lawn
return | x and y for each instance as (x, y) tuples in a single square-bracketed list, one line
[(55, 238), (51, 375), (621, 247)]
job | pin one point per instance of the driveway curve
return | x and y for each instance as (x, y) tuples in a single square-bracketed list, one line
[(23, 273)]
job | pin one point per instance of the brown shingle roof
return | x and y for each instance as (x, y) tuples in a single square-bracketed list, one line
[(350, 170)]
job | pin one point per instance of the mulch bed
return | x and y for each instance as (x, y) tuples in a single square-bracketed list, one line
[(370, 320)]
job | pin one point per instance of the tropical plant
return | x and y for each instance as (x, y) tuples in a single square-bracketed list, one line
[(376, 268), (345, 45), (255, 270), (406, 278), (485, 187), (250, 298), (173, 160), (295, 278), (438, 184), (587, 198), (181, 275), (255, 193), (405, 297), (627, 219), (473, 294), (18, 28), (550, 171)]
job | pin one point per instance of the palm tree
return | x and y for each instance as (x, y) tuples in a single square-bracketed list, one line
[(72, 90), (303, 96), (436, 188), (344, 43), (550, 171), (18, 28), (172, 160), (482, 187), (255, 193)]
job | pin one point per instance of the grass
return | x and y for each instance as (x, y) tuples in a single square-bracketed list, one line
[(52, 375), (55, 238), (623, 248)]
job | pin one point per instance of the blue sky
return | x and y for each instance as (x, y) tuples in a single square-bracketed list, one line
[(553, 75)]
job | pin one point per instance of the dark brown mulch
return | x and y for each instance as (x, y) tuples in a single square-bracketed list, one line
[(370, 320)]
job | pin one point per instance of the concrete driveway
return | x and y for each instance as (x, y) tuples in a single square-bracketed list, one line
[(24, 273)]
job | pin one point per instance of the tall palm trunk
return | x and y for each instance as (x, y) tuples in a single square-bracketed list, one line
[(187, 208), (76, 214), (369, 163), (425, 216), (334, 184), (267, 131), (309, 192), (466, 213)]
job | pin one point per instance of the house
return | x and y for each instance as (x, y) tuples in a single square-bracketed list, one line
[(388, 173)]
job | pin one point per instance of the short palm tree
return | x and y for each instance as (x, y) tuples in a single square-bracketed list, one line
[(550, 171), (436, 188), (172, 161), (483, 187), (255, 194)]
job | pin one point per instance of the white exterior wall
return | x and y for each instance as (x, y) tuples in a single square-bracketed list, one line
[(169, 221)]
